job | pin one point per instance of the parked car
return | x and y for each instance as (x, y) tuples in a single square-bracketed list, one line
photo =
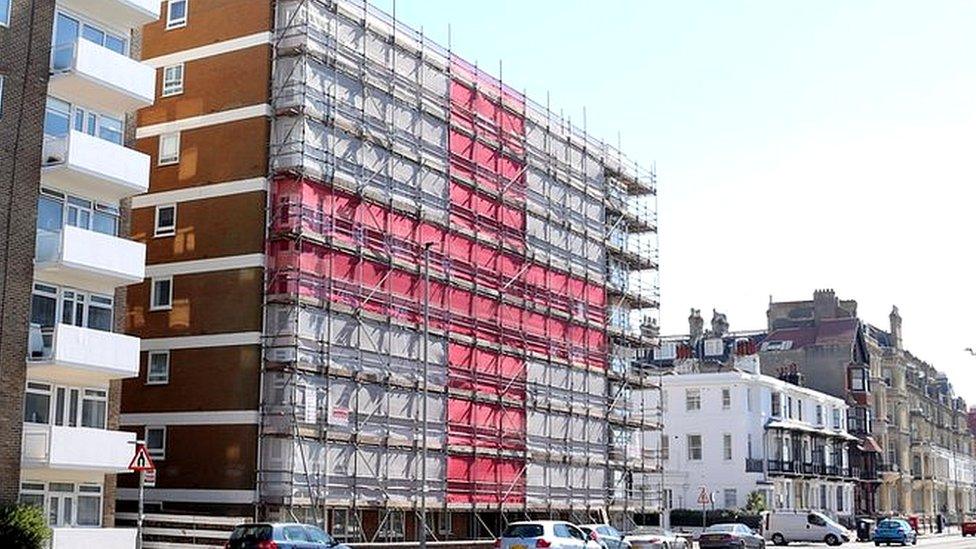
[(730, 536), (281, 536), (895, 530), (782, 527), (652, 537), (607, 536), (968, 526), (554, 534)]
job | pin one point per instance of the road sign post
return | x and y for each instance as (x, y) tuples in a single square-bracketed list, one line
[(142, 463), (704, 498)]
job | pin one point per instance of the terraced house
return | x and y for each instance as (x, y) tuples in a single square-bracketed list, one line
[(70, 81)]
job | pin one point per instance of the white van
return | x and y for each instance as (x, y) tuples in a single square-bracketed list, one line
[(782, 527)]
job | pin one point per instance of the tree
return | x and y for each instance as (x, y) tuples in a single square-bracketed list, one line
[(23, 527), (756, 502)]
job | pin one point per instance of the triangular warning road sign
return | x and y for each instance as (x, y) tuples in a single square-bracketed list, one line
[(141, 461)]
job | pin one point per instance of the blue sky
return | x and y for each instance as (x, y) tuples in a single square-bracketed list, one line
[(798, 145)]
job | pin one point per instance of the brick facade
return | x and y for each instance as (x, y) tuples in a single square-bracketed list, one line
[(24, 48)]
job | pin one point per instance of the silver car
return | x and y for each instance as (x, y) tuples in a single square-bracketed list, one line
[(551, 534), (607, 536), (652, 537)]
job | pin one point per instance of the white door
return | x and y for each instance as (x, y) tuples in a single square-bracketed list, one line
[(61, 504)]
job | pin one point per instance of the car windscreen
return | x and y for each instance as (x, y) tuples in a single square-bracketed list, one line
[(523, 531), (721, 528), (255, 532), (889, 525)]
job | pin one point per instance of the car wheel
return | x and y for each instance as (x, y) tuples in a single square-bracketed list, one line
[(877, 544), (831, 540), (778, 539)]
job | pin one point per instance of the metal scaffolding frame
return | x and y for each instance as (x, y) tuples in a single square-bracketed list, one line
[(338, 112)]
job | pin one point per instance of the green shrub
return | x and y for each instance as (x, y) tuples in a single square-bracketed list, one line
[(23, 527)]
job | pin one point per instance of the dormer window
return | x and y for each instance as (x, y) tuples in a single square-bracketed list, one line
[(714, 347), (667, 351), (859, 380)]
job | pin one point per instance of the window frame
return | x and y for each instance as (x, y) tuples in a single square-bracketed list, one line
[(168, 160), (700, 446), (5, 21), (727, 447), (155, 453), (690, 398), (726, 398), (152, 293), (176, 86), (162, 232), (164, 380), (176, 23)]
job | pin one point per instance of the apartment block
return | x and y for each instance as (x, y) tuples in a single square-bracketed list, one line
[(733, 431), (929, 466), (824, 339), (384, 291), (68, 106)]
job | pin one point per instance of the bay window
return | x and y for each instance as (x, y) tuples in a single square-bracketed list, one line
[(65, 504)]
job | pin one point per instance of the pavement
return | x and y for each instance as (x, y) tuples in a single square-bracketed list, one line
[(951, 541)]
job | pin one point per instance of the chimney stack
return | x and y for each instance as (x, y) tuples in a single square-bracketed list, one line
[(696, 326), (895, 321)]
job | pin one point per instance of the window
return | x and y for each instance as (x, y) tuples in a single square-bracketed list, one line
[(667, 351), (694, 447), (157, 368), (165, 220), (665, 447), (692, 399), (169, 149), (68, 29), (749, 446), (57, 118), (444, 523), (1, 81), (94, 405), (176, 14), (836, 418), (5, 13), (776, 405), (317, 536), (391, 526), (789, 407), (172, 80), (156, 441), (799, 409), (731, 498), (713, 347), (840, 499), (162, 294), (727, 447), (345, 524), (859, 380), (65, 503), (37, 403), (726, 398), (749, 398), (819, 414), (816, 519)]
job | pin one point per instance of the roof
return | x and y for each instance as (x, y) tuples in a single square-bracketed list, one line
[(834, 331)]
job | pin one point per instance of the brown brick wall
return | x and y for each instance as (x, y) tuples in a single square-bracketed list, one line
[(207, 23), (193, 377), (201, 234), (214, 457), (212, 84), (24, 48), (204, 303), (213, 154)]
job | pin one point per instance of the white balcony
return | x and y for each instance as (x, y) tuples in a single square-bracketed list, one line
[(85, 73), (121, 14), (102, 538), (81, 356), (76, 448), (88, 259), (89, 166)]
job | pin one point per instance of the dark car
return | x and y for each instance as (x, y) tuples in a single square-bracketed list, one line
[(281, 536), (730, 536), (895, 531)]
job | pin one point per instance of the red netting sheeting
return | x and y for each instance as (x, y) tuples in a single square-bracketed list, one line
[(482, 479)]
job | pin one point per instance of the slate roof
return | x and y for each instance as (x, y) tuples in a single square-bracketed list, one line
[(837, 331)]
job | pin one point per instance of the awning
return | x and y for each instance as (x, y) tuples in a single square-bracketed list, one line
[(868, 444)]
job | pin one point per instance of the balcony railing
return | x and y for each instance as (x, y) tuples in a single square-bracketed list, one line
[(89, 259), (798, 467), (92, 75), (76, 448), (92, 167), (121, 14), (102, 538), (754, 465), (74, 354)]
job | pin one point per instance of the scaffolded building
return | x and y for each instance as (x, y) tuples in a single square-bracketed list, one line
[(457, 283)]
